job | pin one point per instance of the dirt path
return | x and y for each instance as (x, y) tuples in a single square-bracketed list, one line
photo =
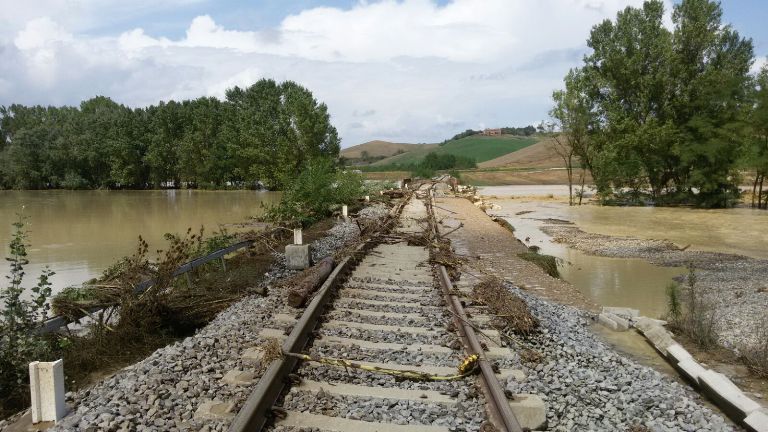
[(490, 248)]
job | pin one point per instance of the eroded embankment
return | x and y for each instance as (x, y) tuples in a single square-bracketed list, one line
[(736, 284), (586, 384)]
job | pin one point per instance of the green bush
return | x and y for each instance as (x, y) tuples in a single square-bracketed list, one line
[(19, 344), (692, 311), (548, 263), (315, 193)]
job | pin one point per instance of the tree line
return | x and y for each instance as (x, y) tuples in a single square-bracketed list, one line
[(257, 136), (666, 115), (519, 131)]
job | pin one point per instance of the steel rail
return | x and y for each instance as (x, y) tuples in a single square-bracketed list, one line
[(255, 413), (498, 406)]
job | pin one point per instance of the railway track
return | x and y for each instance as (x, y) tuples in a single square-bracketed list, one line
[(394, 311)]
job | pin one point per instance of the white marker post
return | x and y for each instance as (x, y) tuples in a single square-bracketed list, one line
[(344, 211), (297, 237), (367, 198), (46, 382)]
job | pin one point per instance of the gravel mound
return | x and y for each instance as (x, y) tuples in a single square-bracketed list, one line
[(589, 386)]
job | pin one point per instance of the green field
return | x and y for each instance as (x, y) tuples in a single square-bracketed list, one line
[(479, 148)]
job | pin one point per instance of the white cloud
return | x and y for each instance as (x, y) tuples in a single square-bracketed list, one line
[(419, 71), (759, 64)]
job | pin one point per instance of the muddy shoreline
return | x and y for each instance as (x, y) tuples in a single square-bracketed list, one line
[(736, 283)]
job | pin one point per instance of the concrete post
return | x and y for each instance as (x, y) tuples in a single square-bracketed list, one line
[(46, 382), (344, 211), (367, 198), (297, 237)]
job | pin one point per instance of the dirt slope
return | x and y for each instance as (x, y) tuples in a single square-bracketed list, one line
[(380, 148), (539, 155)]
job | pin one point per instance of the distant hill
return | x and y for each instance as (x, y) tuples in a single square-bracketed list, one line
[(539, 155), (480, 148), (381, 148)]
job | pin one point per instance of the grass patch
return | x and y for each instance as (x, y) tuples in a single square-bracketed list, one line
[(548, 263), (479, 148)]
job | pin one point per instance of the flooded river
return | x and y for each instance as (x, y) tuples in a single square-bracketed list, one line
[(620, 281), (80, 233)]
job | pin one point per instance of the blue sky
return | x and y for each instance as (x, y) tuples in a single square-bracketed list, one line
[(406, 70)]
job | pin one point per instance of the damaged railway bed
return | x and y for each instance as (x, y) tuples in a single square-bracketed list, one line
[(418, 317), (385, 344)]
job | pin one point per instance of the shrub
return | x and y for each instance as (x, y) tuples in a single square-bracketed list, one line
[(315, 193), (675, 309), (19, 344), (756, 356), (548, 263), (692, 312)]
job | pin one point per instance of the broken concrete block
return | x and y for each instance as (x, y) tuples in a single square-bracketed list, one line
[(238, 377), (676, 353), (613, 322), (644, 323), (607, 322), (757, 421), (690, 369), (622, 311), (297, 257), (530, 411), (660, 338), (215, 410), (622, 323), (727, 395)]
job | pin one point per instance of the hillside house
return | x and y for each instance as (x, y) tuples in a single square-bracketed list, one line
[(491, 132)]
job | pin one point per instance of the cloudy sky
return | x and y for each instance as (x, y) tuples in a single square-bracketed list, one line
[(406, 70)]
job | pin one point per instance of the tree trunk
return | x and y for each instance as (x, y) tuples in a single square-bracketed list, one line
[(569, 169), (581, 191), (754, 189), (310, 283)]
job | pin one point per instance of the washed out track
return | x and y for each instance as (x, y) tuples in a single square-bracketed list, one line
[(393, 310)]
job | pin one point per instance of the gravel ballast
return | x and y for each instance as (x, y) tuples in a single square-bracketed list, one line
[(589, 386), (163, 391)]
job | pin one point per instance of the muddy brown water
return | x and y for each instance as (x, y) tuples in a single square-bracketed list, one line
[(621, 281), (78, 234)]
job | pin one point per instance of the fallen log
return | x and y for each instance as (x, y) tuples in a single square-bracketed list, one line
[(393, 193), (309, 281)]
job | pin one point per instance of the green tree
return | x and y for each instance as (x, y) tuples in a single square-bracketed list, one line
[(19, 318), (711, 65), (670, 107), (573, 120), (755, 156)]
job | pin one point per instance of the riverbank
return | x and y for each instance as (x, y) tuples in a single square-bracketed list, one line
[(586, 384), (165, 390), (737, 284)]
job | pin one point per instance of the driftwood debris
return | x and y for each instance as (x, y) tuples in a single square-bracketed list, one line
[(393, 193), (308, 281)]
